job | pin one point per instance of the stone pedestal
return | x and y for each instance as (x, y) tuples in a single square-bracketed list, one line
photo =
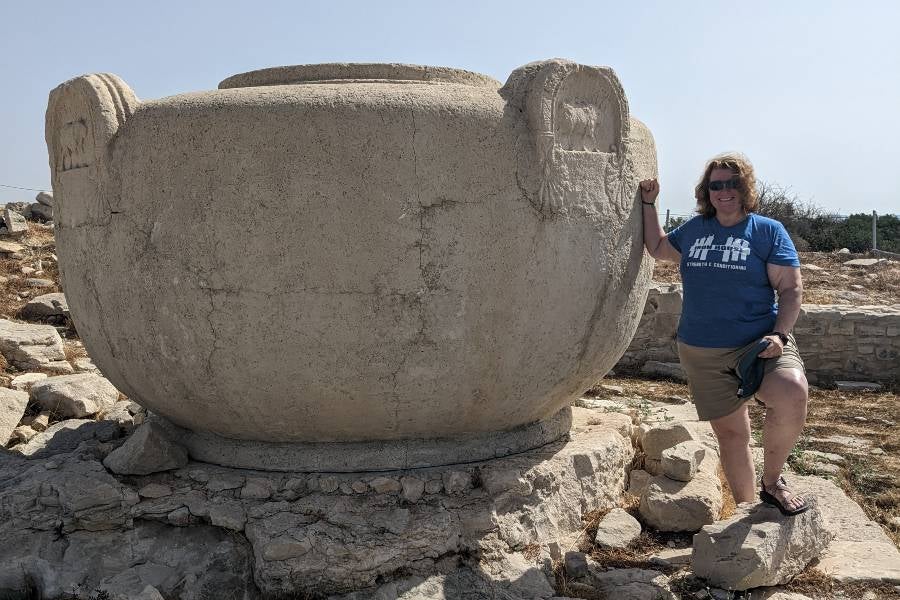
[(202, 529)]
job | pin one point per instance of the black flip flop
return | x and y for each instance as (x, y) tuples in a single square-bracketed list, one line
[(768, 498)]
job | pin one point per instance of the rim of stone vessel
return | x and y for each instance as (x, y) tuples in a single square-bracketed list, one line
[(374, 456), (357, 73)]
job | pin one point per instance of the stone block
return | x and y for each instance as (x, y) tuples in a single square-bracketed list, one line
[(662, 436), (66, 436), (637, 482), (33, 347), (24, 381), (74, 396), (758, 547), (669, 505), (617, 529), (12, 408), (148, 450), (665, 370), (681, 461)]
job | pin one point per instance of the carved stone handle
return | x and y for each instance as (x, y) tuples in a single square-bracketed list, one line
[(83, 116), (577, 115)]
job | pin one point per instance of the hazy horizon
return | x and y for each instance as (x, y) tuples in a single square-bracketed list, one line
[(810, 93)]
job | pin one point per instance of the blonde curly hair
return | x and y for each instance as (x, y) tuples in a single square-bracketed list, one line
[(741, 166)]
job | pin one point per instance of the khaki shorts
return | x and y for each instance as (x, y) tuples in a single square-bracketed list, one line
[(713, 380)]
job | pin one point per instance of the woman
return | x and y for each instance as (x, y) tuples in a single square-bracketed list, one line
[(732, 263)]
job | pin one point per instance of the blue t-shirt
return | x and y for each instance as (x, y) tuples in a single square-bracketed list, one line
[(728, 300)]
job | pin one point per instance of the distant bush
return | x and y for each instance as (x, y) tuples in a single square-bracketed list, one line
[(811, 229), (675, 222)]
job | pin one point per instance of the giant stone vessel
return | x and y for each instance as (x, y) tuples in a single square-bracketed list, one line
[(354, 266)]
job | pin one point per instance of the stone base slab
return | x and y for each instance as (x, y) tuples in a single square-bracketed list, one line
[(355, 457)]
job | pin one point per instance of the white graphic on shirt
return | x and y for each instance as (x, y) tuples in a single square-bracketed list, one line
[(733, 249)]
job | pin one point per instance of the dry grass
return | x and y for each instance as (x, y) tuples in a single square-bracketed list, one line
[(39, 247)]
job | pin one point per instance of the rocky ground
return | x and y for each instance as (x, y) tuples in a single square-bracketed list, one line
[(829, 279), (852, 440)]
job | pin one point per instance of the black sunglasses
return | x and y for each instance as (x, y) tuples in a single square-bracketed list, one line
[(731, 184)]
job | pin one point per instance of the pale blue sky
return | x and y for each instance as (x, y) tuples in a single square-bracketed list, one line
[(810, 91)]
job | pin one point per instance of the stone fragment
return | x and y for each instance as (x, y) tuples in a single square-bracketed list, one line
[(148, 450), (860, 551), (618, 390), (41, 212), (228, 514), (11, 248), (24, 381), (672, 557), (617, 529), (39, 282), (22, 434), (637, 481), (12, 408), (669, 505), (662, 436), (45, 306), (329, 484), (75, 396), (456, 482), (257, 488), (84, 365), (413, 488), (864, 262), (680, 462), (815, 455), (41, 422), (385, 485), (33, 347), (45, 198), (857, 386), (16, 226), (629, 584), (496, 481), (180, 517), (666, 370), (120, 414), (66, 436), (576, 564), (155, 490), (758, 547), (359, 486)]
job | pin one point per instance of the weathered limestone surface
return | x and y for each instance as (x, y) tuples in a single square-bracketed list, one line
[(860, 550), (35, 347), (74, 396), (669, 505), (44, 306), (148, 450), (629, 584), (12, 407), (617, 529), (836, 341), (759, 547), (304, 533), (472, 271)]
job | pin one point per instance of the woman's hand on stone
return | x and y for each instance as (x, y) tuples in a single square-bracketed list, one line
[(649, 190)]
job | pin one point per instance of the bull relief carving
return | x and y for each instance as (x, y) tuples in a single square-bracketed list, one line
[(83, 116), (71, 148), (579, 118)]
